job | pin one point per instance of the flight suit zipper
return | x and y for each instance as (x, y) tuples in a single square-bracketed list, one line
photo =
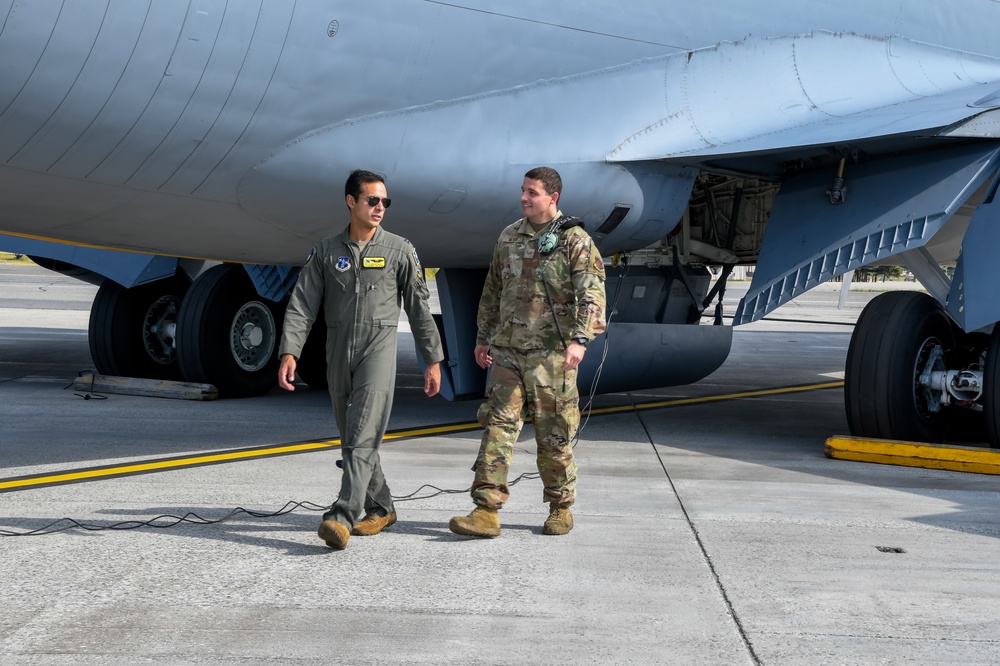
[(361, 293)]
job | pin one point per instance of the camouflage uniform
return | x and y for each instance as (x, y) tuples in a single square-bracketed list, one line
[(361, 293), (527, 379)]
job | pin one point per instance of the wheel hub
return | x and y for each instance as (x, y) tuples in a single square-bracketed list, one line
[(158, 329), (930, 360), (253, 336)]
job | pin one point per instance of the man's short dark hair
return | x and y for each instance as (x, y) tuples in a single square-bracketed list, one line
[(357, 179), (549, 177)]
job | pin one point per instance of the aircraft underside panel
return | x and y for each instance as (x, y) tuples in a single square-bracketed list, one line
[(459, 291), (890, 206), (653, 338), (129, 269), (974, 299)]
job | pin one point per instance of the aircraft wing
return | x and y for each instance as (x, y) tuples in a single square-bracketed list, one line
[(923, 118), (785, 94), (951, 113)]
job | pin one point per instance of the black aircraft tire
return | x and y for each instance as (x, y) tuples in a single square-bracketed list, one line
[(859, 388), (888, 351), (221, 306), (130, 329), (991, 389)]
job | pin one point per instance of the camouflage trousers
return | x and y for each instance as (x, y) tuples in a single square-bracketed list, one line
[(528, 385)]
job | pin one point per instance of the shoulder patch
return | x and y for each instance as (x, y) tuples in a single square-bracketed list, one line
[(416, 260)]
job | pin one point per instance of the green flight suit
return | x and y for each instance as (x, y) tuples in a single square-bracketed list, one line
[(361, 293)]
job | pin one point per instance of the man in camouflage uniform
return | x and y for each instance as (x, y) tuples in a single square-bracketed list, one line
[(359, 277), (542, 303)]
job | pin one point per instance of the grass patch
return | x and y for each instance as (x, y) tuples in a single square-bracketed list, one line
[(11, 258)]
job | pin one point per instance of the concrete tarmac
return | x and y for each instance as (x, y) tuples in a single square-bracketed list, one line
[(710, 528)]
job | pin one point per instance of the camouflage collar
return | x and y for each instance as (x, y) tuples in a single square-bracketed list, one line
[(526, 228)]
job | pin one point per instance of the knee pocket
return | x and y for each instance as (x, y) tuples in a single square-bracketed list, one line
[(366, 415), (504, 407)]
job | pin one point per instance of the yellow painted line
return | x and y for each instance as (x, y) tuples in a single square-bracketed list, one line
[(163, 464), (717, 398), (914, 454), (433, 430), (91, 246), (166, 464)]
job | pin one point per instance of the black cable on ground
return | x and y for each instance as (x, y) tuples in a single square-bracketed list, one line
[(165, 521), (89, 395)]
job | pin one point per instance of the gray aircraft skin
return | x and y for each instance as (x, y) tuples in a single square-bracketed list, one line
[(151, 140)]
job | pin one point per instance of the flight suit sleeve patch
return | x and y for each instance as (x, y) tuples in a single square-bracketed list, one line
[(416, 260)]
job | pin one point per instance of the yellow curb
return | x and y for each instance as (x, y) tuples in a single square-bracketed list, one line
[(914, 454)]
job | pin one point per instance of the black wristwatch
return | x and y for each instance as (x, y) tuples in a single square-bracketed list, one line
[(581, 341)]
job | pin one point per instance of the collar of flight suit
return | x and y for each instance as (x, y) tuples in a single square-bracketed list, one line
[(346, 239)]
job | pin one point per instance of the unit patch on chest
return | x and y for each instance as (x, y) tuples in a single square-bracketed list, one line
[(373, 262), (343, 263)]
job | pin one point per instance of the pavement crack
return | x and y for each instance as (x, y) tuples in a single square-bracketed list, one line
[(701, 546)]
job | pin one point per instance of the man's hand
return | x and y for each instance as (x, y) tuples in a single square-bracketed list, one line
[(483, 358), (432, 379), (573, 356), (286, 372)]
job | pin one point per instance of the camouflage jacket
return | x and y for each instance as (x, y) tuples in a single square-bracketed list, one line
[(515, 310)]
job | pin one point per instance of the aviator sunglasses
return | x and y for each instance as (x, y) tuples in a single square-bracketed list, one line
[(373, 201)]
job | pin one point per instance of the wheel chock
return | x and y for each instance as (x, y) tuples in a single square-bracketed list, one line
[(153, 388), (914, 454)]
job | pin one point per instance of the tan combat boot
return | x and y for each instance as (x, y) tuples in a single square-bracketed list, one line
[(482, 522), (371, 524), (335, 534), (560, 520)]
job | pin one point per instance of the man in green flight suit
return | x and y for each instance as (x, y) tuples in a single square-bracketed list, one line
[(543, 301), (360, 277)]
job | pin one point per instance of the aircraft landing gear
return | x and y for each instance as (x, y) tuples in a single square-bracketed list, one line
[(900, 341), (913, 375), (217, 330), (131, 331), (228, 335), (991, 388)]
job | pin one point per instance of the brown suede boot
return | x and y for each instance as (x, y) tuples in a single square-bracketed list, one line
[(560, 520), (482, 522), (335, 534), (371, 524)]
